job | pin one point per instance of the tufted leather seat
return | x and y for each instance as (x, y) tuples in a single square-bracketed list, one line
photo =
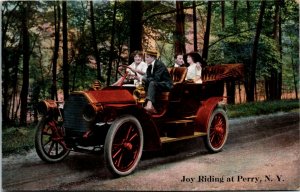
[(212, 73), (178, 74)]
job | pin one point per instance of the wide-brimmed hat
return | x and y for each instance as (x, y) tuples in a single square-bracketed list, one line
[(195, 56)]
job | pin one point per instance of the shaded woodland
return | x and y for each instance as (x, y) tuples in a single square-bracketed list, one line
[(47, 46)]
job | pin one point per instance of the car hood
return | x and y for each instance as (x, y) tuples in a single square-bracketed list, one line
[(116, 96)]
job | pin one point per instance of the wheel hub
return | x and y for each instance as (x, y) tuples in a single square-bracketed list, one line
[(220, 130), (127, 146)]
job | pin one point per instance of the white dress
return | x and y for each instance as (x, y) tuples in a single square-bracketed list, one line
[(194, 73)]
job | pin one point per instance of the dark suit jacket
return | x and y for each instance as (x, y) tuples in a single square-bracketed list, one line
[(160, 74)]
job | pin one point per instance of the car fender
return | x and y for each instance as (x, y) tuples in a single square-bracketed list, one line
[(204, 112)]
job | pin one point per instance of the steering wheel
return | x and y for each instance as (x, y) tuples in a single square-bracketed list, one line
[(124, 73)]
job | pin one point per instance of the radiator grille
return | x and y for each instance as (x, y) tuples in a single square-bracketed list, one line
[(74, 123)]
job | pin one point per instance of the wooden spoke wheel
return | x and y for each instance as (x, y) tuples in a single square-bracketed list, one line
[(217, 131), (49, 143), (123, 145)]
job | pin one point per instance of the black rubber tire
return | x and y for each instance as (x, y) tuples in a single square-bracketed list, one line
[(126, 135), (48, 149), (217, 131)]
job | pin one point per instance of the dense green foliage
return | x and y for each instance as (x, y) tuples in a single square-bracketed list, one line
[(231, 42)]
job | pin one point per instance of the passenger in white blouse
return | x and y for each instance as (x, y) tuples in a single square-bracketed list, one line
[(194, 69)]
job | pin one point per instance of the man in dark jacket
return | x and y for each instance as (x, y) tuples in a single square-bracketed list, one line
[(157, 79)]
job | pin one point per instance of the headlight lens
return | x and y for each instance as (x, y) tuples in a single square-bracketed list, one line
[(90, 112)]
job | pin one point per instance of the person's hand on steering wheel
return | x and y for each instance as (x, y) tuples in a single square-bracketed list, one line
[(122, 69), (131, 77)]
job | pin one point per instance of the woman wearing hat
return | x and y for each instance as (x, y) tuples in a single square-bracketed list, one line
[(194, 69)]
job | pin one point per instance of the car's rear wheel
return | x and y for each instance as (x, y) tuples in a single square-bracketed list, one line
[(217, 131), (49, 142), (123, 145)]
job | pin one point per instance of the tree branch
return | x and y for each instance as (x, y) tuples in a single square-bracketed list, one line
[(166, 13), (230, 36)]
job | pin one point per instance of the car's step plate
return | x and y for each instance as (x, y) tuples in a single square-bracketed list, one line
[(172, 139)]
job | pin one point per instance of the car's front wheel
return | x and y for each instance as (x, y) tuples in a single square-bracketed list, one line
[(123, 145), (49, 142)]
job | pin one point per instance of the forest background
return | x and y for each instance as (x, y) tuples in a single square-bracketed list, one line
[(46, 45)]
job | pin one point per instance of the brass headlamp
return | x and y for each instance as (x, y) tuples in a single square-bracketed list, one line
[(139, 93)]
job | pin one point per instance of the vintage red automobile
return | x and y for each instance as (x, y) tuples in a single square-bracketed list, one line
[(113, 120)]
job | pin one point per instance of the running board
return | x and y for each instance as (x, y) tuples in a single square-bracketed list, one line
[(190, 117), (172, 139), (181, 121)]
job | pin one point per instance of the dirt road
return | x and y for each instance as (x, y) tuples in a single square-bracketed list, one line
[(262, 153)]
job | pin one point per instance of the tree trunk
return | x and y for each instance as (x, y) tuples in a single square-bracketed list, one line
[(195, 27), (5, 74), (235, 4), (180, 30), (112, 42), (295, 72), (267, 88), (223, 14), (15, 62), (274, 83), (277, 38), (5, 111), (230, 84), (230, 87), (240, 91), (279, 93), (136, 27), (6, 106), (94, 42), (207, 32), (56, 49), (248, 14), (65, 51), (26, 56), (250, 96)]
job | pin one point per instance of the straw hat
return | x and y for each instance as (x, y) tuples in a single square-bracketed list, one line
[(152, 53)]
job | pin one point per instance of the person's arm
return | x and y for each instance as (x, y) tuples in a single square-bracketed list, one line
[(141, 69), (198, 69), (137, 71), (144, 67), (131, 71)]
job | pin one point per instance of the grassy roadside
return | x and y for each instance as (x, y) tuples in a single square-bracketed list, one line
[(262, 108), (19, 140)]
